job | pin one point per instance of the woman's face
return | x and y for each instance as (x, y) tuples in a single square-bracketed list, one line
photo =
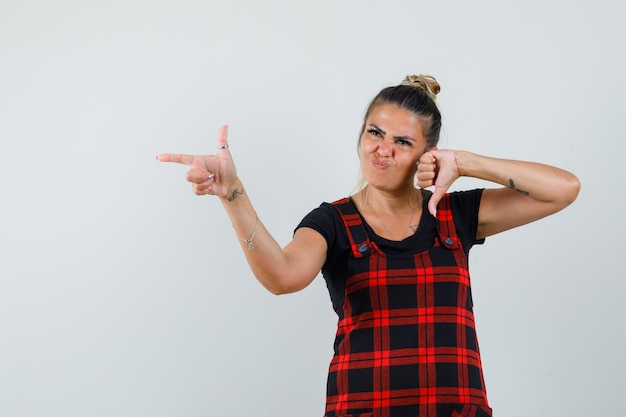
[(391, 143)]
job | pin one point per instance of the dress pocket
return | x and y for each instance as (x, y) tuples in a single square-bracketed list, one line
[(471, 410)]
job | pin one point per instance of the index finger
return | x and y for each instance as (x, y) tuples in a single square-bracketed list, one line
[(178, 158)]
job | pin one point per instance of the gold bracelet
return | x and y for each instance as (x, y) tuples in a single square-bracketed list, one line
[(249, 240)]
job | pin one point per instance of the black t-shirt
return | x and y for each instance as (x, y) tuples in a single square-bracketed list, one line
[(326, 220)]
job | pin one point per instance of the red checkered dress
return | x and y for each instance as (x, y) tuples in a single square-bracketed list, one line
[(406, 342)]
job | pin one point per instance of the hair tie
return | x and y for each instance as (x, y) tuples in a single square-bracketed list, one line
[(427, 83)]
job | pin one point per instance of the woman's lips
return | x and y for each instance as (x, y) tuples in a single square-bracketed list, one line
[(379, 164)]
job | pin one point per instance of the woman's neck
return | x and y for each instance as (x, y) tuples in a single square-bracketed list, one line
[(390, 202), (393, 216)]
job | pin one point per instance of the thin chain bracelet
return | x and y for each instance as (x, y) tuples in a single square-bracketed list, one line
[(457, 164), (249, 240)]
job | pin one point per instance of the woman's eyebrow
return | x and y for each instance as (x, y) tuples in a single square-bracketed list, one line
[(377, 128), (407, 138)]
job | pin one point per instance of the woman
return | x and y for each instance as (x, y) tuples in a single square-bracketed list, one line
[(395, 256)]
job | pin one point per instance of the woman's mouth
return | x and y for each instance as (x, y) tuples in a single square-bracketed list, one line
[(379, 164)]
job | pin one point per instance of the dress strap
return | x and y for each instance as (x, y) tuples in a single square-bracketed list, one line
[(445, 224), (357, 235)]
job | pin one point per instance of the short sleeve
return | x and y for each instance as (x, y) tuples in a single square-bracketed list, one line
[(322, 219), (326, 220), (465, 206)]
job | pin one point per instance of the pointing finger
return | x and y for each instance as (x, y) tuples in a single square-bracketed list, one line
[(176, 158)]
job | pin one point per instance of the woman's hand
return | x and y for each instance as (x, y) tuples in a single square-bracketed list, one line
[(439, 168), (209, 174), (530, 191), (279, 270)]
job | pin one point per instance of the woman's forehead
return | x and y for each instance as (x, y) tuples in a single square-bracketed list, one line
[(394, 119)]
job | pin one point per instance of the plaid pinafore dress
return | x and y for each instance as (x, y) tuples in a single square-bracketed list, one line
[(406, 342)]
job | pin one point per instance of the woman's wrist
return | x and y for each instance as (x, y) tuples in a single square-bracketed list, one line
[(469, 164), (456, 161), (233, 192)]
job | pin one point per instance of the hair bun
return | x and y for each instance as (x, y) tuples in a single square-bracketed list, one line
[(427, 83)]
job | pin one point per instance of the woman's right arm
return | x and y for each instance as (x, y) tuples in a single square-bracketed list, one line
[(279, 270)]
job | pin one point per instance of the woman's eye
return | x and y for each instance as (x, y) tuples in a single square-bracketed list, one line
[(403, 142), (374, 132)]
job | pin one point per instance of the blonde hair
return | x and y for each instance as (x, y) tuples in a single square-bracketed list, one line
[(428, 83)]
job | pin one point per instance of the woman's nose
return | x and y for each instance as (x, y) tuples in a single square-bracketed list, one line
[(385, 148)]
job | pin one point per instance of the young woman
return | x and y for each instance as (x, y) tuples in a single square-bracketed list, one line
[(395, 255)]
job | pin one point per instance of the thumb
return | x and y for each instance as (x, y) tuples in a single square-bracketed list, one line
[(222, 138), (438, 194)]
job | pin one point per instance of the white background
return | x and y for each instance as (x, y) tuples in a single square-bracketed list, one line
[(123, 294)]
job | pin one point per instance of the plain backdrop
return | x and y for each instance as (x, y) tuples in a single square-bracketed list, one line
[(123, 294)]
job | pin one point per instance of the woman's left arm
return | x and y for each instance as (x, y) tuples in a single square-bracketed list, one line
[(531, 190)]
